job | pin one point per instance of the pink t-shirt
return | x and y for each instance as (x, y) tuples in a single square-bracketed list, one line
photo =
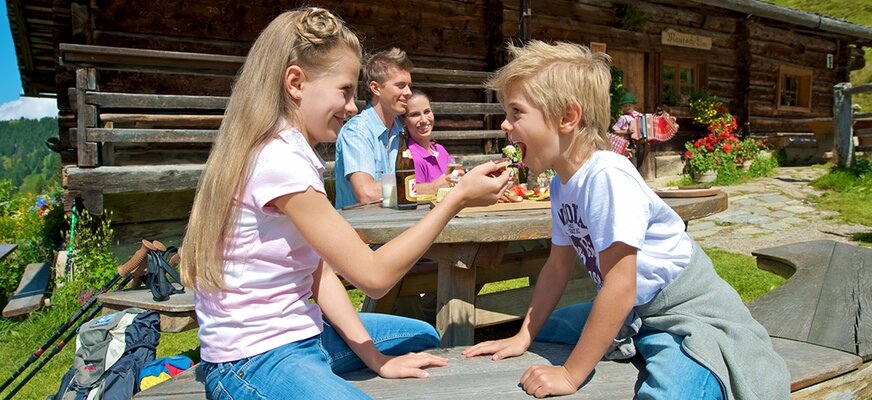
[(427, 166), (268, 265)]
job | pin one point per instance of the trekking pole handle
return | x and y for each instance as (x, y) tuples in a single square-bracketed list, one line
[(138, 262)]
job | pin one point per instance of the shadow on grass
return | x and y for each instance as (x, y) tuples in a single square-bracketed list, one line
[(865, 238)]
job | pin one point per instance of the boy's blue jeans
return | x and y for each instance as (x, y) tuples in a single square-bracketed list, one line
[(672, 373), (307, 369)]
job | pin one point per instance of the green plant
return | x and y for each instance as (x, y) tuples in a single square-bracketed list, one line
[(24, 219), (631, 18), (704, 109), (93, 262), (616, 93)]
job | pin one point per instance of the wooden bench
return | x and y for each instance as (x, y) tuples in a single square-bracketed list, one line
[(116, 131), (810, 368), (827, 298), (31, 290), (819, 367)]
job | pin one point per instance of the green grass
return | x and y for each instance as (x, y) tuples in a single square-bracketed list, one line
[(741, 272), (849, 192), (853, 11)]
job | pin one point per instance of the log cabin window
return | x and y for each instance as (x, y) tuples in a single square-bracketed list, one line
[(679, 79), (794, 89)]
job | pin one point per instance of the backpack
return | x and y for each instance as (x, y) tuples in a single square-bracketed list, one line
[(160, 273), (110, 352)]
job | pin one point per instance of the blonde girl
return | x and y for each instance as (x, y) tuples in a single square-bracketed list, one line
[(263, 238)]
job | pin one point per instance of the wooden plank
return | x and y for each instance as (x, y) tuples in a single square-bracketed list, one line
[(468, 135), (6, 249), (121, 120), (155, 101), (840, 314), (151, 135), (853, 385), (810, 364), (135, 178), (788, 311), (31, 290), (457, 108), (502, 207)]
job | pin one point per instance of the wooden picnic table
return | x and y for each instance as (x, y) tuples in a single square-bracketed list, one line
[(476, 242)]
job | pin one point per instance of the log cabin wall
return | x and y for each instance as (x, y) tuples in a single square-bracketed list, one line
[(741, 67), (451, 34)]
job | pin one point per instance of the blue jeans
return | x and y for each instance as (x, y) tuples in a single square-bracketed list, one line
[(308, 369), (671, 372)]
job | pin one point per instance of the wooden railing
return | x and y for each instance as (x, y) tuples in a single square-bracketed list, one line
[(843, 113), (108, 120)]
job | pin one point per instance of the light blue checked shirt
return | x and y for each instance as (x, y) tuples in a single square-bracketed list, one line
[(364, 145)]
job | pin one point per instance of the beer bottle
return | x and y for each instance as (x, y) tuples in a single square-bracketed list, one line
[(407, 198)]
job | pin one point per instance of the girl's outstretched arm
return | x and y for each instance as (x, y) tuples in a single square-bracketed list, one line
[(376, 272), (610, 308), (331, 296)]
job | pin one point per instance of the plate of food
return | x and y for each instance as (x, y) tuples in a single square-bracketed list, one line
[(687, 191)]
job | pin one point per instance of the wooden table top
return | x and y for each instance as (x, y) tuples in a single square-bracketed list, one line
[(378, 225)]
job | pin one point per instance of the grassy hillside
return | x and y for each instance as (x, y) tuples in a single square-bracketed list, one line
[(26, 163), (854, 11)]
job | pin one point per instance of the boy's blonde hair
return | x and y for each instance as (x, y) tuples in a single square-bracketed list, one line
[(311, 38), (554, 76), (378, 66)]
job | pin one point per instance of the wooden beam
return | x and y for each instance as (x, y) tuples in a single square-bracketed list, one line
[(134, 178), (151, 135), (155, 101), (864, 88)]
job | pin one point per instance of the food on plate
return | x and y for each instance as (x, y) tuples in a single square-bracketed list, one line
[(518, 193)]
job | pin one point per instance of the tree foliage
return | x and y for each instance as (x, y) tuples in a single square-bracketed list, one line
[(25, 160)]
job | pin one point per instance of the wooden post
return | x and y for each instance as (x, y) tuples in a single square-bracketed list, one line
[(843, 145), (524, 29), (86, 80)]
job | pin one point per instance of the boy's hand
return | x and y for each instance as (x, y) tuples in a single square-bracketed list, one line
[(408, 365), (482, 185), (503, 348), (546, 380)]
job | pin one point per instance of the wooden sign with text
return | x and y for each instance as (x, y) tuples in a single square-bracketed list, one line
[(674, 38)]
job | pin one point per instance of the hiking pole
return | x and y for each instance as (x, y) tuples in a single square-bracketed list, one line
[(131, 267), (55, 350)]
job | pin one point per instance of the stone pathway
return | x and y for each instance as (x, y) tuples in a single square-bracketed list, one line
[(771, 212)]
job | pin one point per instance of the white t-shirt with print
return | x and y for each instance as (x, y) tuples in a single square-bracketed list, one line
[(607, 201), (268, 265)]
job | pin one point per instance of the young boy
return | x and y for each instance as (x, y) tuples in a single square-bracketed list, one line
[(654, 283)]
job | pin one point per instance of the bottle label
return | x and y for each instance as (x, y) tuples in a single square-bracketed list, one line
[(411, 187)]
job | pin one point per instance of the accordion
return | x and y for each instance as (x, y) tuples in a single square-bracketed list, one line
[(654, 128)]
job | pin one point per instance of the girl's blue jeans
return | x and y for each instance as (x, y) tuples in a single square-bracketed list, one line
[(671, 372), (308, 369)]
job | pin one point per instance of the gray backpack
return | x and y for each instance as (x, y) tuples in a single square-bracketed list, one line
[(110, 351)]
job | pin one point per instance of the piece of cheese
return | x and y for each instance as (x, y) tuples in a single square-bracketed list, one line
[(440, 194)]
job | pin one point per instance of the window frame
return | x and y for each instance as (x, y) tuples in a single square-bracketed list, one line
[(800, 72), (679, 63)]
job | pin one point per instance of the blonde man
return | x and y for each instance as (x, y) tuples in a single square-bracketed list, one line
[(658, 293), (367, 144)]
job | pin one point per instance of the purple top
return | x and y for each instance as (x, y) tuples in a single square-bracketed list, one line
[(427, 166)]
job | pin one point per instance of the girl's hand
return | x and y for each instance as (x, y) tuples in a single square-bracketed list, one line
[(408, 365), (547, 380), (482, 185), (503, 348)]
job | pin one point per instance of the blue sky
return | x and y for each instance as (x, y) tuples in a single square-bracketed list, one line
[(12, 106)]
